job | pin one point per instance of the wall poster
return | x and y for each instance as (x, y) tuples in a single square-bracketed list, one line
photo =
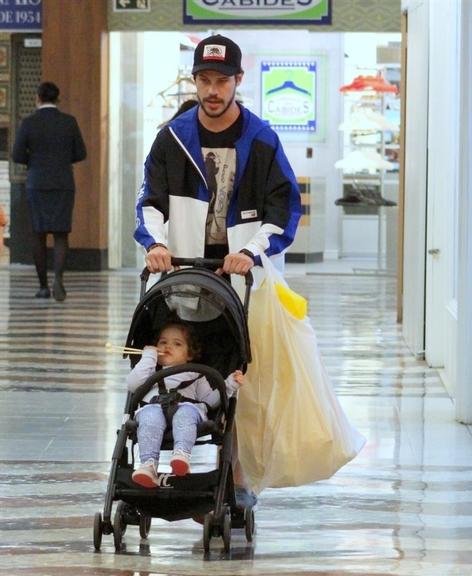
[(289, 95)]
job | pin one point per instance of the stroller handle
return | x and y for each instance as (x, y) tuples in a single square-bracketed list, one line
[(210, 263)]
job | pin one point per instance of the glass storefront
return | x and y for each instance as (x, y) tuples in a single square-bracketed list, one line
[(150, 75)]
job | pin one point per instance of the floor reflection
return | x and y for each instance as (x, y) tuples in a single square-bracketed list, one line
[(402, 507)]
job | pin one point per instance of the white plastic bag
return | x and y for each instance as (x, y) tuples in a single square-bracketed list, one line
[(291, 427)]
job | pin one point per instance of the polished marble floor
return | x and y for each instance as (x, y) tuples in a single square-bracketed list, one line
[(403, 506)]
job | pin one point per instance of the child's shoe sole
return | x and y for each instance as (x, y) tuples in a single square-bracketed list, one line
[(144, 478), (179, 467)]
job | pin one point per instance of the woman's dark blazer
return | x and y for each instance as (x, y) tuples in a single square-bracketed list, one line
[(49, 142)]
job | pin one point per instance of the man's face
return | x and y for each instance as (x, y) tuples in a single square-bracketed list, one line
[(215, 91)]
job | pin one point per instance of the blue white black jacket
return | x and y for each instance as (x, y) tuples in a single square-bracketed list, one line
[(264, 208)]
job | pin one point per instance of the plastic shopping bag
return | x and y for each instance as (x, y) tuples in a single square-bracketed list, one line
[(291, 427)]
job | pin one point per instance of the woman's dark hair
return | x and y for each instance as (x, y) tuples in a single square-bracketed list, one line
[(186, 105), (48, 92), (193, 341)]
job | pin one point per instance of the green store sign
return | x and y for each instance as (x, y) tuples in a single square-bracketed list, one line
[(289, 95), (257, 11)]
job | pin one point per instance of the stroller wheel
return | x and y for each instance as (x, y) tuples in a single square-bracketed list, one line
[(119, 526), (97, 531), (226, 531), (249, 524), (207, 530), (144, 525)]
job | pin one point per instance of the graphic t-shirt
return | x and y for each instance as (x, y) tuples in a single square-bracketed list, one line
[(219, 155)]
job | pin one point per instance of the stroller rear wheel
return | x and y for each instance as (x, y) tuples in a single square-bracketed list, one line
[(97, 531), (249, 523), (119, 526), (144, 525)]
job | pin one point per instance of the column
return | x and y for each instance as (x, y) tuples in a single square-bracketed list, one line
[(464, 266), (75, 57)]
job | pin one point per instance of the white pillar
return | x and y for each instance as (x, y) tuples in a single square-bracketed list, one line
[(464, 287)]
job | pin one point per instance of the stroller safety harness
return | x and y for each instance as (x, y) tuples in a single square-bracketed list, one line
[(170, 399)]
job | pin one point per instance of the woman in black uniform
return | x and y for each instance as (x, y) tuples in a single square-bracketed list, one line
[(49, 142)]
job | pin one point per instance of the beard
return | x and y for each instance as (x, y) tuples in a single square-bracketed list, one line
[(212, 114)]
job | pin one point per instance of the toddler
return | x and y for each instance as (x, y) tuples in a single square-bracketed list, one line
[(176, 344)]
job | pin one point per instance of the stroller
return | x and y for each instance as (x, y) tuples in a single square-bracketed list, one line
[(199, 297)]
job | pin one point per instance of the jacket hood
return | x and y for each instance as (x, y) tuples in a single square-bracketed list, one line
[(185, 127)]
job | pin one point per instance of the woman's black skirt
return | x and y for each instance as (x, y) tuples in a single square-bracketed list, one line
[(51, 210)]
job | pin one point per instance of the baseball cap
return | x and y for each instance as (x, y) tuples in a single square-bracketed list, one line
[(217, 53)]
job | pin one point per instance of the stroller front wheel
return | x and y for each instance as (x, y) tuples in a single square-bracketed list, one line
[(207, 530), (119, 526), (97, 531), (144, 525), (227, 531)]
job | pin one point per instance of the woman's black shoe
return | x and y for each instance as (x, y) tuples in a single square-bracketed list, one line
[(43, 293), (58, 290)]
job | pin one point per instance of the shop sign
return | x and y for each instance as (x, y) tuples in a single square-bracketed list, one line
[(257, 11), (131, 5), (20, 15), (288, 92)]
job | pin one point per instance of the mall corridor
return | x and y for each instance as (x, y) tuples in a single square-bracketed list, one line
[(402, 507)]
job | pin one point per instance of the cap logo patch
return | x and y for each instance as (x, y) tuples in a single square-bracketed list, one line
[(214, 52)]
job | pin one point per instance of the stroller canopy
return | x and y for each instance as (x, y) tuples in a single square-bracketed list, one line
[(207, 302)]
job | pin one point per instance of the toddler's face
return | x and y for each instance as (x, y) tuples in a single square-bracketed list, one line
[(173, 347)]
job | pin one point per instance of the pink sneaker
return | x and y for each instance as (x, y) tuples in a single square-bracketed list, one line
[(146, 475), (180, 463)]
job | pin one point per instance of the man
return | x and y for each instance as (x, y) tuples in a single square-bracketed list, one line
[(49, 142), (218, 176)]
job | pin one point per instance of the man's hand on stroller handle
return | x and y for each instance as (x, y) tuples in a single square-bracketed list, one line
[(158, 259), (236, 263)]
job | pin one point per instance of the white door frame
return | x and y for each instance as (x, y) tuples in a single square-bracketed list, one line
[(416, 161), (464, 266), (444, 64)]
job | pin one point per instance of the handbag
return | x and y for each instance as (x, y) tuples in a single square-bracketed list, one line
[(291, 428)]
